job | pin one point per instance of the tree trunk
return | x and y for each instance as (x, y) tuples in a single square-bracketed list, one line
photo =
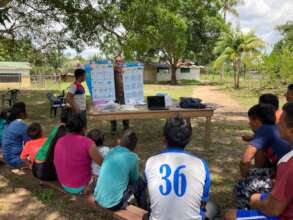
[(238, 70), (173, 74)]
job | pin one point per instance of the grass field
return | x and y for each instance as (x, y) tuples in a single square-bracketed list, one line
[(222, 156)]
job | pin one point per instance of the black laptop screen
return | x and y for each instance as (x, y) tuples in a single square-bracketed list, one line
[(156, 102)]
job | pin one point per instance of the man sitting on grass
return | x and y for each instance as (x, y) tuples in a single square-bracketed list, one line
[(178, 182), (266, 148), (280, 202)]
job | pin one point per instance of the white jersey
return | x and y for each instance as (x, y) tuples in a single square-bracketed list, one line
[(178, 183), (95, 167)]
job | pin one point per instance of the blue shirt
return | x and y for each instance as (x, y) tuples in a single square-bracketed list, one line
[(14, 137), (120, 167), (269, 136), (2, 126), (178, 183)]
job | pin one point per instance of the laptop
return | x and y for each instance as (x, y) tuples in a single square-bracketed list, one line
[(156, 103)]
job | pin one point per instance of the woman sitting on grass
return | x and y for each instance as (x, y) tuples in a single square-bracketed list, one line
[(15, 135), (43, 166), (73, 157)]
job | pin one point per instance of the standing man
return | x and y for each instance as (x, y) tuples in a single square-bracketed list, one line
[(118, 76), (76, 96)]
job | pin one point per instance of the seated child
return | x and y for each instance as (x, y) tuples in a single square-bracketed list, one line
[(119, 176), (259, 178), (15, 135), (98, 137), (3, 118), (268, 99), (178, 182), (279, 204), (31, 147)]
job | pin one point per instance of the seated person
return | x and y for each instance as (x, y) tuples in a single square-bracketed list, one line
[(98, 137), (43, 166), (73, 157), (271, 99), (289, 93), (268, 99), (280, 202), (31, 147), (259, 178), (3, 118), (15, 135), (178, 182), (119, 176)]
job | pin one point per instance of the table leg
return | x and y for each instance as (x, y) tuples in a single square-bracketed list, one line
[(99, 124), (208, 131)]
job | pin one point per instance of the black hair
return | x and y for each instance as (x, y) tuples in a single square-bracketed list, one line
[(290, 87), (177, 132), (78, 73), (97, 136), (16, 111), (75, 123), (269, 99), (62, 131), (263, 112), (34, 131), (129, 139), (4, 114), (288, 110), (65, 114)]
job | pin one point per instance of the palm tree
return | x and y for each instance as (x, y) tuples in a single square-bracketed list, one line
[(229, 6), (232, 47)]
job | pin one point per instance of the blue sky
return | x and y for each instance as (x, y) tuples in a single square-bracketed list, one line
[(262, 16)]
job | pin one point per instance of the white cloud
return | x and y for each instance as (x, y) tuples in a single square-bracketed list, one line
[(263, 16)]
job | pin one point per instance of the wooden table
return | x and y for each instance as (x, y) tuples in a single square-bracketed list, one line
[(144, 113)]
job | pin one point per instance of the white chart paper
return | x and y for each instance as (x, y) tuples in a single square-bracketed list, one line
[(133, 83), (103, 84)]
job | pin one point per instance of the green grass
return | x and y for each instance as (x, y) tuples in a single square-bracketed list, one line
[(250, 89), (222, 155)]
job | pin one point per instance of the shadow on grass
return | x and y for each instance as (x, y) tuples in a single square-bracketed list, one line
[(222, 156)]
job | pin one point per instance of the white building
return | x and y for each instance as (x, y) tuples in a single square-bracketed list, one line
[(15, 75), (162, 72)]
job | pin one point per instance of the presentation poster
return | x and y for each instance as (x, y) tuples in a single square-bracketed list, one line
[(102, 82), (133, 83)]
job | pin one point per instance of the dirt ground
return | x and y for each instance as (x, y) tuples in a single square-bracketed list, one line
[(21, 197)]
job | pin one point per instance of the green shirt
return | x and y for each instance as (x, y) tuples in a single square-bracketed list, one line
[(120, 167), (43, 151)]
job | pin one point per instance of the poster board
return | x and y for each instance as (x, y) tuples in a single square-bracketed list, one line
[(133, 83), (102, 82)]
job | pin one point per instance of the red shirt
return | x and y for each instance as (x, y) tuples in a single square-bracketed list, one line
[(282, 190), (31, 148)]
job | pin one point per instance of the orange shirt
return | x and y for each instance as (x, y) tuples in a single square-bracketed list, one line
[(31, 148), (278, 115)]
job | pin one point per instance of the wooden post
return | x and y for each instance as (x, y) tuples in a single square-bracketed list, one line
[(208, 131)]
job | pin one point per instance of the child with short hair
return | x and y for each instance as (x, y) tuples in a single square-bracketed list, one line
[(119, 176), (266, 148), (14, 135), (98, 137), (76, 96), (31, 147), (279, 203)]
